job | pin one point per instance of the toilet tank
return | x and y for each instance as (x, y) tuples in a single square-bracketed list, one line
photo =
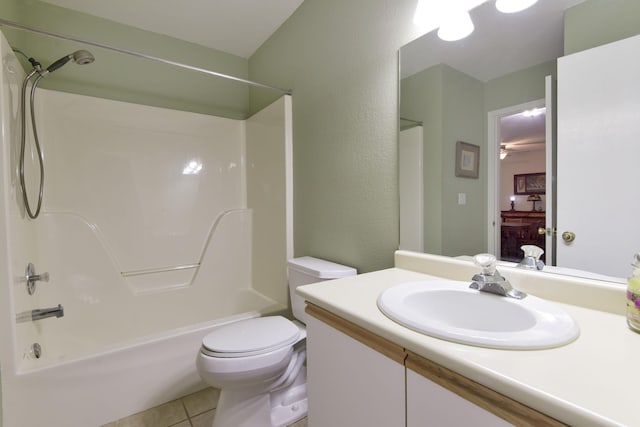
[(305, 270)]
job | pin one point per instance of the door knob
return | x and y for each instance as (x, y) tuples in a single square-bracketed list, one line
[(550, 231), (568, 236)]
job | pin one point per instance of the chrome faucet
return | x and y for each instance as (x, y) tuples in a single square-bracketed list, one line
[(40, 313), (531, 260), (490, 280)]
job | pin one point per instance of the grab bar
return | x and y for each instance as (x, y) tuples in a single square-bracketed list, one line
[(158, 270), (40, 313)]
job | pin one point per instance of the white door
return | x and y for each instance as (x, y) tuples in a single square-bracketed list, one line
[(598, 191), (549, 246)]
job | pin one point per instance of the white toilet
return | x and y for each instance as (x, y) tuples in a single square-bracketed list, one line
[(258, 364)]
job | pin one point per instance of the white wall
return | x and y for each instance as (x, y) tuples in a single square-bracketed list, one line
[(119, 214), (411, 186), (270, 196)]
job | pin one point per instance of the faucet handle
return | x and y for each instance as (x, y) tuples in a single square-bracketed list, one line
[(490, 280), (31, 278), (487, 262)]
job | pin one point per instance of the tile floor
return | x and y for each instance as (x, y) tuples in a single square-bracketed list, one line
[(194, 410)]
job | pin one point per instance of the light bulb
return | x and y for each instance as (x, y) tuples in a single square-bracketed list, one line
[(456, 26)]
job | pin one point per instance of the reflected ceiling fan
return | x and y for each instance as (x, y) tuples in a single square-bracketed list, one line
[(520, 147)]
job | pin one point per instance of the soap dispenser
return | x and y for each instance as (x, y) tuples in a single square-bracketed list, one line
[(531, 258), (633, 296)]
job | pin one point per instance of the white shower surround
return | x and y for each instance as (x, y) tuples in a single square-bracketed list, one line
[(118, 216)]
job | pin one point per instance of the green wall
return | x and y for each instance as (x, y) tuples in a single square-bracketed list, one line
[(340, 59), (518, 87), (450, 105), (463, 226), (597, 22), (122, 77)]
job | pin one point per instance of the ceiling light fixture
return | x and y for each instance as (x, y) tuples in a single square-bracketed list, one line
[(513, 6), (455, 26), (426, 16), (503, 152), (429, 14)]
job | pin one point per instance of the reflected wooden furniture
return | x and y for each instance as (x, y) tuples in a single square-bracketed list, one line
[(520, 228)]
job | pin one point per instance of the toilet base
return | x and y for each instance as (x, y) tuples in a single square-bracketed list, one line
[(290, 404), (280, 408)]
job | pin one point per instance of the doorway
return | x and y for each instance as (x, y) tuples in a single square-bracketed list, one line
[(516, 181)]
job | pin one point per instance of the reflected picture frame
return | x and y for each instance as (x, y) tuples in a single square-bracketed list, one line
[(467, 160), (529, 183)]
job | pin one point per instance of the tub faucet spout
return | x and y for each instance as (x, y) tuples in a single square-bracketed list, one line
[(40, 313), (43, 313)]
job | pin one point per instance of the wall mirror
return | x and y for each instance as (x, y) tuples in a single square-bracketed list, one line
[(476, 90)]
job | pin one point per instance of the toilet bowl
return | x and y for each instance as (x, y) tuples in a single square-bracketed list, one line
[(259, 364)]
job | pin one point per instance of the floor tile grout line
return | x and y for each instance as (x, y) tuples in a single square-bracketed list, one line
[(186, 411)]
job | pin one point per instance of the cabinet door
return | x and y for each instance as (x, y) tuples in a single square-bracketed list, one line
[(349, 383), (429, 404)]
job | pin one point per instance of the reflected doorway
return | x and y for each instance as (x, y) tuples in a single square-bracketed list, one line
[(519, 200)]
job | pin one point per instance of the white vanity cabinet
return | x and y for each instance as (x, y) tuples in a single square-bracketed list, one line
[(349, 383), (358, 379), (430, 404)]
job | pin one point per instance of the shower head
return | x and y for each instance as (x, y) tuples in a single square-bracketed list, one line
[(83, 57), (80, 57)]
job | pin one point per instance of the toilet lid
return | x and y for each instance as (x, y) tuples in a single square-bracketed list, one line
[(251, 336)]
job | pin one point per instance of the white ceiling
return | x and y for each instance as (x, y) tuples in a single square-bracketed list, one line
[(523, 134), (238, 27)]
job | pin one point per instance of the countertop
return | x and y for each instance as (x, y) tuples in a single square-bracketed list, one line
[(589, 382)]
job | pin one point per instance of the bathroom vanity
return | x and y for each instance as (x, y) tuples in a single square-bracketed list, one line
[(365, 369)]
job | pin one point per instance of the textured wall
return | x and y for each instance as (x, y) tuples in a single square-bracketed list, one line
[(340, 59)]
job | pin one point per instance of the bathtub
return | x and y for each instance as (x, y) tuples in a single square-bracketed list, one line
[(145, 254), (96, 389)]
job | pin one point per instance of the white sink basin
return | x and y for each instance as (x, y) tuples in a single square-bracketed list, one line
[(451, 311)]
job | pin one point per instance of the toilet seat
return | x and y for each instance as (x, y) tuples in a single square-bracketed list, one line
[(251, 337)]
